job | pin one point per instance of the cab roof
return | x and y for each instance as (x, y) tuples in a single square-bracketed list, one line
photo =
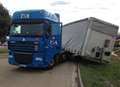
[(35, 14)]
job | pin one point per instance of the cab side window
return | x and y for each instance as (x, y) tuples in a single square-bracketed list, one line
[(56, 30), (49, 30)]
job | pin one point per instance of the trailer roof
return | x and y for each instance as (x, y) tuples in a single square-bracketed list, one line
[(92, 19), (75, 22)]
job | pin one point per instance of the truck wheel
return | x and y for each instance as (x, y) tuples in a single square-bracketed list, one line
[(57, 59), (51, 65)]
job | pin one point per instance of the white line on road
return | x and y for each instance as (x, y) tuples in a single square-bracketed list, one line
[(79, 76), (74, 75)]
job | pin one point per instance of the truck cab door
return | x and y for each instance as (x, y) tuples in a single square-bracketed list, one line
[(53, 44)]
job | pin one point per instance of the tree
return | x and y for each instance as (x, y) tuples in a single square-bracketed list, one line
[(4, 23)]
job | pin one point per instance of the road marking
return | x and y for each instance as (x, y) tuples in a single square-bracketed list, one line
[(79, 76), (74, 75)]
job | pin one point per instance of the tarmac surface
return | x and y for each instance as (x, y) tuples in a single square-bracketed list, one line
[(62, 75)]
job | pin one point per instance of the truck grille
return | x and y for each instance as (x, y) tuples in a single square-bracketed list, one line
[(21, 46), (22, 58)]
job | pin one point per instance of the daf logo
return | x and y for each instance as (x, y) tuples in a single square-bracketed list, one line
[(23, 39)]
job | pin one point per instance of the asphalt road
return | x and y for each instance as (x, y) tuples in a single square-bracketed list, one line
[(63, 75)]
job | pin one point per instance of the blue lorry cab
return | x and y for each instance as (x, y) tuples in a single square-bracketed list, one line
[(34, 39)]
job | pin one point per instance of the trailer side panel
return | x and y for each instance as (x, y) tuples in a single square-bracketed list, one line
[(73, 36)]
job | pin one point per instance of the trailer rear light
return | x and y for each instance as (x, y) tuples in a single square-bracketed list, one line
[(107, 53), (97, 54)]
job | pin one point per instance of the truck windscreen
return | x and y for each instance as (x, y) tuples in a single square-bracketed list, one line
[(29, 29)]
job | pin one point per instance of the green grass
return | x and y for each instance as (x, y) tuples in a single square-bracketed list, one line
[(3, 50), (100, 75)]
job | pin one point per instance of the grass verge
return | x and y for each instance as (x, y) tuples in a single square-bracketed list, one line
[(3, 50), (100, 75)]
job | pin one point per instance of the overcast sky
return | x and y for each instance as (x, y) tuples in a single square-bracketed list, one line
[(71, 10)]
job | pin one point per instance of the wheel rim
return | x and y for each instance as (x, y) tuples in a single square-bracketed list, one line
[(52, 63)]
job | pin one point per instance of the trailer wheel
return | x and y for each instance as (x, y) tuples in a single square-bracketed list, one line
[(63, 57)]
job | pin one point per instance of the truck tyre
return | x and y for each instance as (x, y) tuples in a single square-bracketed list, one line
[(52, 64), (57, 56)]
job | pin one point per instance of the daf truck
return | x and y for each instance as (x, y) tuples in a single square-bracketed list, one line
[(34, 39), (37, 39)]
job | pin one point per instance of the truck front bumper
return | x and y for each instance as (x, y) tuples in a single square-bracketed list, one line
[(38, 61)]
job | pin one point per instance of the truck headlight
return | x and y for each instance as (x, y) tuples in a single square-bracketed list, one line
[(7, 38), (38, 59), (10, 56)]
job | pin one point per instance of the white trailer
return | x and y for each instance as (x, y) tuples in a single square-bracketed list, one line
[(91, 38)]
